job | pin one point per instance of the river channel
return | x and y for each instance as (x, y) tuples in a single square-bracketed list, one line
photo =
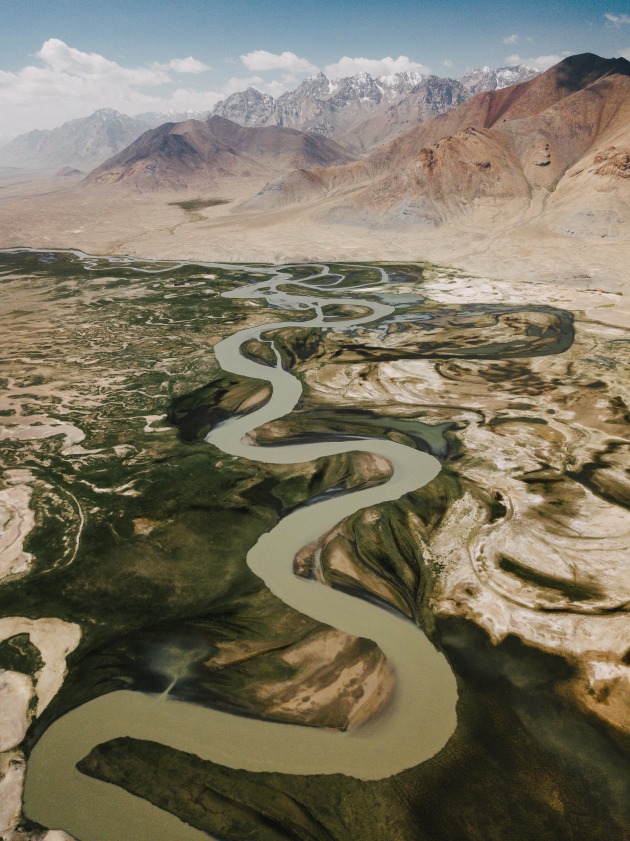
[(413, 727)]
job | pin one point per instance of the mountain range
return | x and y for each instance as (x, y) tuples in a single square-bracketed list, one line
[(556, 147), (552, 150), (84, 142), (361, 111), (357, 111)]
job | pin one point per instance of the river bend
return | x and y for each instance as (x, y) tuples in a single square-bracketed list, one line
[(413, 727)]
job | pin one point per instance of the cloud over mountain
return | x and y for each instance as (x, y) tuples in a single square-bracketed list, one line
[(387, 66), (261, 60), (68, 83), (541, 62)]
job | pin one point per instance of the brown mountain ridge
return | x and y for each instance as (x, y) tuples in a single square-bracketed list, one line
[(197, 153), (558, 143)]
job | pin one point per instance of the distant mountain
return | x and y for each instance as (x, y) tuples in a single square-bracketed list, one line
[(311, 105), (153, 119), (331, 107), (197, 153), (487, 79), (361, 111), (84, 142), (247, 108), (559, 142), (318, 105), (433, 95)]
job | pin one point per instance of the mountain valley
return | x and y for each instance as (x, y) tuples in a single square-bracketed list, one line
[(272, 367)]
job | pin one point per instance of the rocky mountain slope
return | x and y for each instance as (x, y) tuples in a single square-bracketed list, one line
[(557, 144), (199, 153), (361, 111), (429, 98), (489, 79)]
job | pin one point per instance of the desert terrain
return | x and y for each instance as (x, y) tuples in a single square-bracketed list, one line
[(502, 248)]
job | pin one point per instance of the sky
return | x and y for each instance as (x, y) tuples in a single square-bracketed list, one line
[(63, 59)]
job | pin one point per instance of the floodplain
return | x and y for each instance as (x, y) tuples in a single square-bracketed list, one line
[(127, 530)]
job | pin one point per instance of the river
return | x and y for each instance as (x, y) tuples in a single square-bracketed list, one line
[(413, 727)]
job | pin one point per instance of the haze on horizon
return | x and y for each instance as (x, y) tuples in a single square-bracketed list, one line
[(65, 58)]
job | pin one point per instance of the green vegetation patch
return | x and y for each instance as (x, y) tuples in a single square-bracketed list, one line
[(192, 205), (573, 590), (18, 654)]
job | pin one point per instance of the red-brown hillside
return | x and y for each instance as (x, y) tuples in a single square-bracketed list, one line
[(504, 145)]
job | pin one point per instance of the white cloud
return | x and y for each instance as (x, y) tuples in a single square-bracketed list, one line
[(260, 61), (347, 66), (447, 62), (188, 65), (625, 54), (182, 99), (275, 87), (240, 83), (62, 60), (293, 69), (541, 62), (69, 83), (510, 39), (617, 20)]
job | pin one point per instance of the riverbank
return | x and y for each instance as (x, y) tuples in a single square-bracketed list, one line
[(44, 212)]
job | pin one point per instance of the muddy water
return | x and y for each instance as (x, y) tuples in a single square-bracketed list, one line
[(414, 726)]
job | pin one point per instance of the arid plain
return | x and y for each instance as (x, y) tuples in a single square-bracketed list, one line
[(46, 212)]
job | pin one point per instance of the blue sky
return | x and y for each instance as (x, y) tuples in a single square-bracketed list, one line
[(61, 59)]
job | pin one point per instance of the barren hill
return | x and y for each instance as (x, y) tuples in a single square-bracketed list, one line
[(198, 153)]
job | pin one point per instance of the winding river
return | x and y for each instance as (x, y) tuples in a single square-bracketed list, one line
[(413, 727)]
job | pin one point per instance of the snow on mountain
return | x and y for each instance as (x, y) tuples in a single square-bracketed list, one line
[(489, 79), (247, 108), (359, 111), (399, 83)]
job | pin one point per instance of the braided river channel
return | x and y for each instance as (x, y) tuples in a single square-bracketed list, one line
[(412, 728)]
